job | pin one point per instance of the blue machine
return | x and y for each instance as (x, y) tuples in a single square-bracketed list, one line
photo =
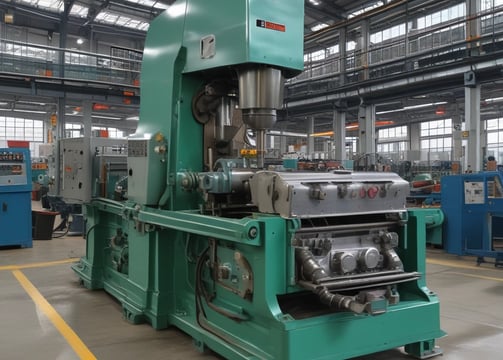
[(15, 197), (473, 209)]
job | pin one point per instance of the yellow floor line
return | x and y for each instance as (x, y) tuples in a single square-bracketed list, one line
[(40, 264), (477, 276), (71, 337), (458, 264)]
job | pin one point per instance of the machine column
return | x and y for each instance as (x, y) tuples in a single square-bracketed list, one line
[(260, 148), (339, 137)]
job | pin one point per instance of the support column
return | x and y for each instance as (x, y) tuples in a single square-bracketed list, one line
[(366, 134), (342, 56), (472, 124), (364, 48), (283, 148), (87, 109), (339, 137), (415, 142), (310, 139), (473, 27), (457, 143)]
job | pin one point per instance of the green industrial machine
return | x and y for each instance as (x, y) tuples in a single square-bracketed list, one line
[(254, 264)]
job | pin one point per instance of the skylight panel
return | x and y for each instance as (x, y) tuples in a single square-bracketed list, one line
[(111, 18), (79, 11), (150, 3), (366, 9), (52, 5), (107, 17), (319, 26)]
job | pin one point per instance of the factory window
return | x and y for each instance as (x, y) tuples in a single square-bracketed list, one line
[(436, 140), (436, 128), (489, 4), (318, 55), (12, 128), (386, 34), (351, 146), (395, 150), (437, 144), (333, 50), (392, 133), (388, 146), (108, 132), (495, 139), (392, 147), (74, 130), (439, 17)]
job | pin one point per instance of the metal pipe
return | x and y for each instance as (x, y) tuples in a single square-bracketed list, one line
[(310, 269), (358, 284), (210, 159), (340, 301), (346, 227)]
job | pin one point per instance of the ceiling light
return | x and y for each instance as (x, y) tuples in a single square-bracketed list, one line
[(424, 105), (440, 110), (30, 111), (80, 41), (411, 107), (106, 117), (98, 107), (286, 133), (353, 126), (488, 101)]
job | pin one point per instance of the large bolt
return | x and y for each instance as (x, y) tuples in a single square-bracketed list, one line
[(253, 232)]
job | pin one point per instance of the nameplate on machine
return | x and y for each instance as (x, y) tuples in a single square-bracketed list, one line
[(270, 25)]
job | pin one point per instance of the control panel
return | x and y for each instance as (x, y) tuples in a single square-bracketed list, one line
[(15, 197), (13, 167)]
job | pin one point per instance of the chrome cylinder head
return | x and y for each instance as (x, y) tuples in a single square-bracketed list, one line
[(260, 94)]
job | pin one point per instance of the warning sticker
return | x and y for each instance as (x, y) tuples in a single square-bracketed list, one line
[(270, 25)]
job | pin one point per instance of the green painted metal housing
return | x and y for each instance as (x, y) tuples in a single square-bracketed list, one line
[(159, 287), (152, 251)]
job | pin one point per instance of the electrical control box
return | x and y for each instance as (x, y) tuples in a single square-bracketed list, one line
[(15, 197), (145, 157), (473, 208), (83, 160)]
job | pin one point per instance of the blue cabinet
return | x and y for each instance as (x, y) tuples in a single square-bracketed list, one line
[(15, 198)]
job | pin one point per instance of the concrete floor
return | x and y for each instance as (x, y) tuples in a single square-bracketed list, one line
[(471, 311)]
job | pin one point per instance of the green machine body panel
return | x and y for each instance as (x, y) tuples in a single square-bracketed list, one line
[(253, 264)]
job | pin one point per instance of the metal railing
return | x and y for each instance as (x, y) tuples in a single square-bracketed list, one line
[(18, 58), (441, 45)]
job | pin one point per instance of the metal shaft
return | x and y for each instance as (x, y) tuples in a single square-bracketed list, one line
[(260, 148)]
